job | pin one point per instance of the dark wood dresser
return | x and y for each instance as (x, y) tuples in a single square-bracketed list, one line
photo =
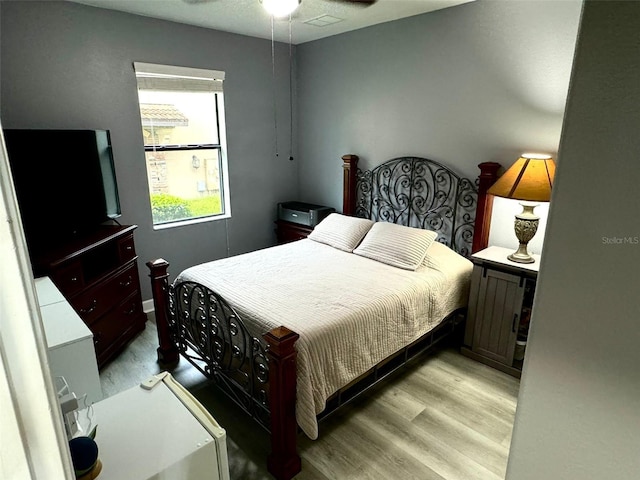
[(98, 275), (289, 232)]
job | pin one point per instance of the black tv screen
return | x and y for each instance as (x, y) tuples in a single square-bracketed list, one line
[(65, 183)]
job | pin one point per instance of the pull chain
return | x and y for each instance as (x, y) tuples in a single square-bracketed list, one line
[(273, 73), (226, 230), (290, 94)]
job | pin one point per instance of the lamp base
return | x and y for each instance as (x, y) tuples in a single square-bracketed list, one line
[(525, 226), (521, 255)]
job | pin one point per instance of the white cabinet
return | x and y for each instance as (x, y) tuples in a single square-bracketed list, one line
[(159, 432), (497, 315), (69, 342)]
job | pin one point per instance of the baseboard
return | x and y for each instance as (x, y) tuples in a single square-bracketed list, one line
[(492, 363), (147, 306)]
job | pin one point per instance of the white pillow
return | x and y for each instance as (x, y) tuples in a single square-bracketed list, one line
[(340, 231), (440, 257), (396, 245)]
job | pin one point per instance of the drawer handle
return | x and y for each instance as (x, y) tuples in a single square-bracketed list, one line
[(89, 309), (513, 326), (74, 279), (127, 283), (131, 310), (128, 248)]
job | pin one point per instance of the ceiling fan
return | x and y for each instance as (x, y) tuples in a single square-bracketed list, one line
[(281, 8), (362, 3)]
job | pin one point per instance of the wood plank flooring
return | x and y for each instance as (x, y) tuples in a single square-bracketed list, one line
[(445, 417)]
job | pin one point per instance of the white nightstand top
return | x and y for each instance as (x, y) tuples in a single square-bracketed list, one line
[(498, 255), (62, 325), (47, 292)]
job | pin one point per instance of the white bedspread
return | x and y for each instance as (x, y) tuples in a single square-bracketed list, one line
[(350, 312)]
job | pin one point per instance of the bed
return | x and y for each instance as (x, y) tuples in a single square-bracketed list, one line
[(294, 331)]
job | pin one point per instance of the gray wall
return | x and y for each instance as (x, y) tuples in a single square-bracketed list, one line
[(66, 65), (467, 84), (578, 415), (483, 81)]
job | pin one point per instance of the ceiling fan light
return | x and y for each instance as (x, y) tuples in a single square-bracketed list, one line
[(280, 8)]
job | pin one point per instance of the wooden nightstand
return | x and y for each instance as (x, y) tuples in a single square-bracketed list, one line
[(296, 220), (288, 232), (500, 303)]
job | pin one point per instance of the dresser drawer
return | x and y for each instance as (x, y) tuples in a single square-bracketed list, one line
[(290, 232), (109, 329), (98, 300), (69, 279), (126, 249)]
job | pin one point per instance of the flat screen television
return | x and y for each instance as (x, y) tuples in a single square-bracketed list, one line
[(65, 183)]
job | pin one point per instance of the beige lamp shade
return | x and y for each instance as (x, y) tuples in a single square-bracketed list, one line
[(530, 178)]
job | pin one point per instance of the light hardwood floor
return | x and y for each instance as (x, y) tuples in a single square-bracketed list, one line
[(444, 417)]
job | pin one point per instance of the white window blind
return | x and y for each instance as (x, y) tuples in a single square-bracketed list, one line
[(169, 78)]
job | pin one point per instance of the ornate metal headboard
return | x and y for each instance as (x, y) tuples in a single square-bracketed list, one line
[(419, 192)]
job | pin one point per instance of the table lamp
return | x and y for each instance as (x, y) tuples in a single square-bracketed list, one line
[(530, 179)]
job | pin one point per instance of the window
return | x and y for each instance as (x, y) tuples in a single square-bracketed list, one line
[(182, 112)]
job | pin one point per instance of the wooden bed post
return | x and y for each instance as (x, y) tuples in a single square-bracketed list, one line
[(283, 461), (167, 350), (488, 176), (350, 170)]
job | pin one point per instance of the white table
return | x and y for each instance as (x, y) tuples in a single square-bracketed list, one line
[(159, 433), (69, 341)]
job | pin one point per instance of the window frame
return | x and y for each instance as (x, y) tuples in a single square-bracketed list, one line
[(223, 166)]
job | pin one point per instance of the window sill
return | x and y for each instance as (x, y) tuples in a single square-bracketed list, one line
[(183, 223)]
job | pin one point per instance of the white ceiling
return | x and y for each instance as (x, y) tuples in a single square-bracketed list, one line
[(247, 17)]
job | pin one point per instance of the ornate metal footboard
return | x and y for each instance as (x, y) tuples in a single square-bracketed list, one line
[(259, 375), (210, 334)]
